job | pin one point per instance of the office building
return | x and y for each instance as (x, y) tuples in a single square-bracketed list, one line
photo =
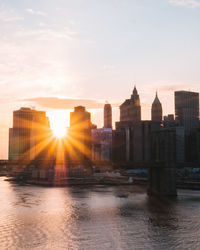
[(137, 140), (107, 116), (156, 110), (79, 135), (30, 129), (187, 109), (101, 144), (130, 110)]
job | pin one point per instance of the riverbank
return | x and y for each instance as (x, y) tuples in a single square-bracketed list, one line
[(90, 181), (77, 181)]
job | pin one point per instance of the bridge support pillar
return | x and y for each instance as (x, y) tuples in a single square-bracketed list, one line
[(162, 180)]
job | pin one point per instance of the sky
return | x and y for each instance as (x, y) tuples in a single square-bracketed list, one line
[(56, 54)]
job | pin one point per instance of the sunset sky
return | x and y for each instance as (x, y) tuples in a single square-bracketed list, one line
[(55, 51)]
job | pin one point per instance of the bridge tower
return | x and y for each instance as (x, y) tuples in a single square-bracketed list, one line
[(162, 172)]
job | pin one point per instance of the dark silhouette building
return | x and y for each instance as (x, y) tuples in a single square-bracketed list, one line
[(30, 129), (136, 134), (156, 110), (107, 116), (130, 110), (119, 146), (79, 136), (137, 141), (101, 144), (169, 121), (187, 109)]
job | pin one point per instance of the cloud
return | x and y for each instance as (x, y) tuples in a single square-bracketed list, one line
[(33, 60), (171, 88), (46, 33), (165, 87), (187, 3), (9, 15), (61, 103), (36, 12), (108, 67)]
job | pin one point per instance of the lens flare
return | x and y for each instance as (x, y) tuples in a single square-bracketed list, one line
[(59, 131)]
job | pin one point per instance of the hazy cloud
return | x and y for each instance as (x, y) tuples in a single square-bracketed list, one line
[(9, 15), (173, 87), (32, 59), (58, 103), (36, 12), (165, 87), (189, 3), (109, 67)]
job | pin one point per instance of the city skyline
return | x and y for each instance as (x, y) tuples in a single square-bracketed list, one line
[(60, 120), (53, 55), (168, 142), (100, 124), (130, 113)]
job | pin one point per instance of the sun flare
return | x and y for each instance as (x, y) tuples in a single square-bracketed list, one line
[(59, 121), (59, 132)]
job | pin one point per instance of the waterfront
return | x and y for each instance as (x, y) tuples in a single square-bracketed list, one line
[(97, 217)]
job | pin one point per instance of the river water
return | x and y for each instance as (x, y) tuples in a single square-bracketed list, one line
[(86, 218)]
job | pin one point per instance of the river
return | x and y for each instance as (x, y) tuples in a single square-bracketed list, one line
[(33, 217)]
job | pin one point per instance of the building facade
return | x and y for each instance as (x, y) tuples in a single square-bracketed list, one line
[(29, 134), (102, 144), (137, 140), (187, 109), (130, 110), (107, 116), (79, 136), (156, 110)]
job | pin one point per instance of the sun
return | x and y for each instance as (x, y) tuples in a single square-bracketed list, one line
[(59, 132), (59, 121)]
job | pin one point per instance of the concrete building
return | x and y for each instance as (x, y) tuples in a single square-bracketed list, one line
[(101, 144), (180, 144), (130, 110), (107, 116), (187, 109), (156, 110), (169, 121), (162, 148), (192, 148), (137, 140), (27, 137), (119, 141), (80, 119), (79, 136), (198, 147)]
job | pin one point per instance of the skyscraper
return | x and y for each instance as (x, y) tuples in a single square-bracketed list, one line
[(29, 128), (156, 110), (130, 110), (107, 116), (80, 135), (187, 109), (80, 119)]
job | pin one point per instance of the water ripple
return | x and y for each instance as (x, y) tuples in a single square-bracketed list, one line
[(96, 218)]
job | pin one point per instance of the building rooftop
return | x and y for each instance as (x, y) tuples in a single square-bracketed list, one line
[(156, 100)]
